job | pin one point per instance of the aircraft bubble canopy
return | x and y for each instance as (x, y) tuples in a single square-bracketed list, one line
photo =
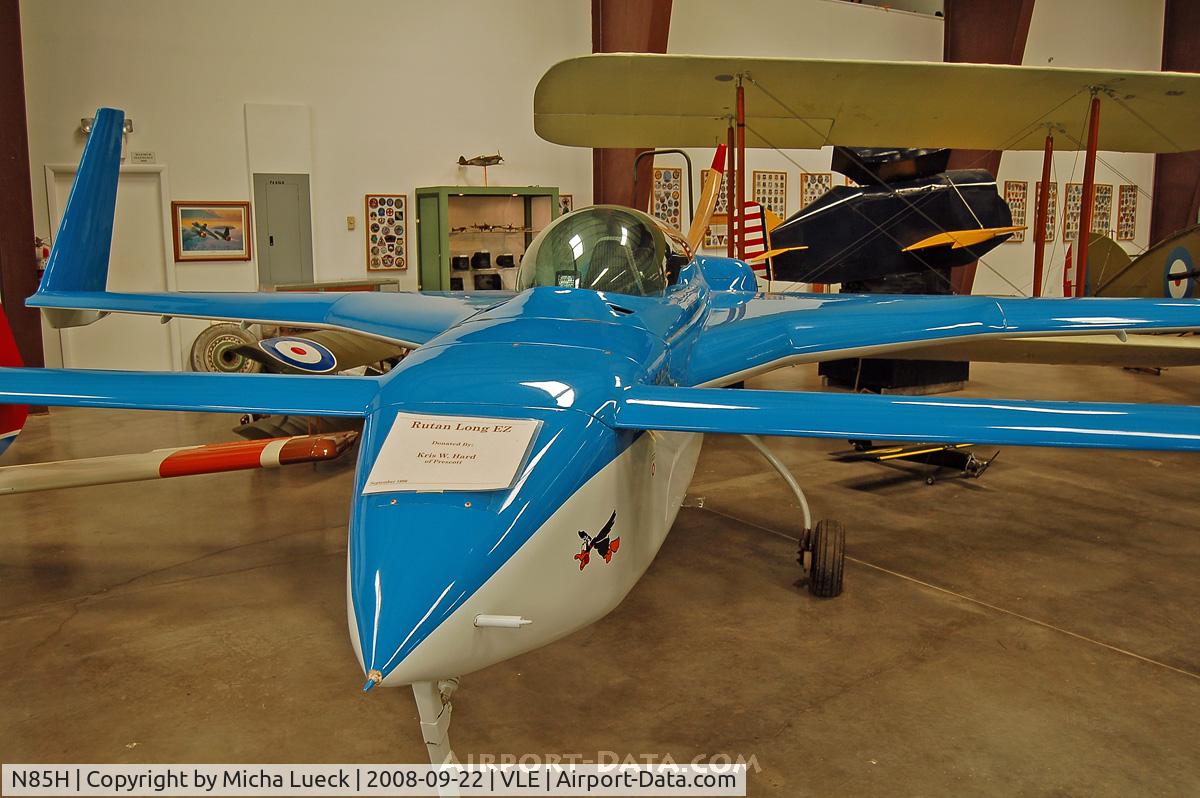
[(603, 248)]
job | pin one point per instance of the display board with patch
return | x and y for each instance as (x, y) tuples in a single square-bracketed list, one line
[(1127, 197), (386, 232), (1071, 215), (1102, 205), (566, 204), (1016, 194), (718, 227), (770, 191), (1051, 207), (813, 185), (666, 199)]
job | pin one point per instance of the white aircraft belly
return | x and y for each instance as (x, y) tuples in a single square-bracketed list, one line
[(543, 582)]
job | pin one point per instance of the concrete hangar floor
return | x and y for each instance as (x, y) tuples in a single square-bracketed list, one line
[(1032, 633)]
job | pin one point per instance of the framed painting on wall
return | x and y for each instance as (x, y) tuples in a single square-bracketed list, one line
[(770, 191), (1016, 195), (666, 195), (210, 231), (813, 185), (386, 232), (1127, 197), (1051, 207)]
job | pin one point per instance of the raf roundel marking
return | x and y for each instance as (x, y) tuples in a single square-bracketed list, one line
[(300, 353), (1179, 262)]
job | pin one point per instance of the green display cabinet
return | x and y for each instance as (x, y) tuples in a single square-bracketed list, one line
[(471, 238)]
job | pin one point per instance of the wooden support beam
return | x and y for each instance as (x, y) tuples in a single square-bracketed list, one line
[(18, 262), (626, 26), (982, 32), (1176, 194)]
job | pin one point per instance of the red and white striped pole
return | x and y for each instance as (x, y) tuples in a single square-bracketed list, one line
[(180, 462)]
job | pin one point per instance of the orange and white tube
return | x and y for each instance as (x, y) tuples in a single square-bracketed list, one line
[(179, 462)]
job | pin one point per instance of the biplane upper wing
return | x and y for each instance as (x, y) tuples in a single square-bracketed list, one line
[(74, 291), (651, 100), (749, 333)]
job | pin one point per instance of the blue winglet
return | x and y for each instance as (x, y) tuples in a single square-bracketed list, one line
[(79, 259)]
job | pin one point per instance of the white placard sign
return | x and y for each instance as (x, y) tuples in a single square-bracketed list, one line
[(451, 453)]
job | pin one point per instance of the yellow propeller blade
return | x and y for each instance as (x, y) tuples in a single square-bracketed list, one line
[(770, 253), (957, 239), (708, 200)]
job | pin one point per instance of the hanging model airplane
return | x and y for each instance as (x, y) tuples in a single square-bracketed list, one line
[(578, 404)]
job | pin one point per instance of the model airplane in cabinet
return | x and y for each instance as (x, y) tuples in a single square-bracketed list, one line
[(578, 407)]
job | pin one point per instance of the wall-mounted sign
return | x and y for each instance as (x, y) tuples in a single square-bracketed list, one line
[(386, 232)]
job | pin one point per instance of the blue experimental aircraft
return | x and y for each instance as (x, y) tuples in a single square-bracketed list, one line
[(598, 377)]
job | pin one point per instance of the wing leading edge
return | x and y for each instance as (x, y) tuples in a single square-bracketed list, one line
[(906, 418), (73, 289), (217, 393), (747, 334)]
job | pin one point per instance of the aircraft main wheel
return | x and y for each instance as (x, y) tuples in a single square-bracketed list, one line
[(828, 559), (213, 350)]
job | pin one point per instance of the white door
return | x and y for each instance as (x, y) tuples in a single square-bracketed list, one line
[(138, 263)]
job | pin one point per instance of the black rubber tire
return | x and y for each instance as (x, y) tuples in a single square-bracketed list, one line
[(213, 350), (828, 559)]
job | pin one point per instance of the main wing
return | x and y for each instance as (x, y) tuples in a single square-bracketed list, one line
[(747, 333), (909, 418), (73, 290)]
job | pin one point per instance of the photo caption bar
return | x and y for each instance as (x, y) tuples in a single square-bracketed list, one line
[(377, 780)]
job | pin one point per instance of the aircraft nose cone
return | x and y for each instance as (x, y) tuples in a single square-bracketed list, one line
[(417, 557), (408, 561)]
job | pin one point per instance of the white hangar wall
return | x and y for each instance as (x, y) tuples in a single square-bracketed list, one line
[(396, 91)]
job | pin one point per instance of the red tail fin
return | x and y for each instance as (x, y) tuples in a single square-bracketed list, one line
[(12, 417)]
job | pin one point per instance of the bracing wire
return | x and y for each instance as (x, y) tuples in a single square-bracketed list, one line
[(911, 205)]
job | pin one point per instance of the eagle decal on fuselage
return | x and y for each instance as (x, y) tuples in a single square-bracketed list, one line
[(601, 544)]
